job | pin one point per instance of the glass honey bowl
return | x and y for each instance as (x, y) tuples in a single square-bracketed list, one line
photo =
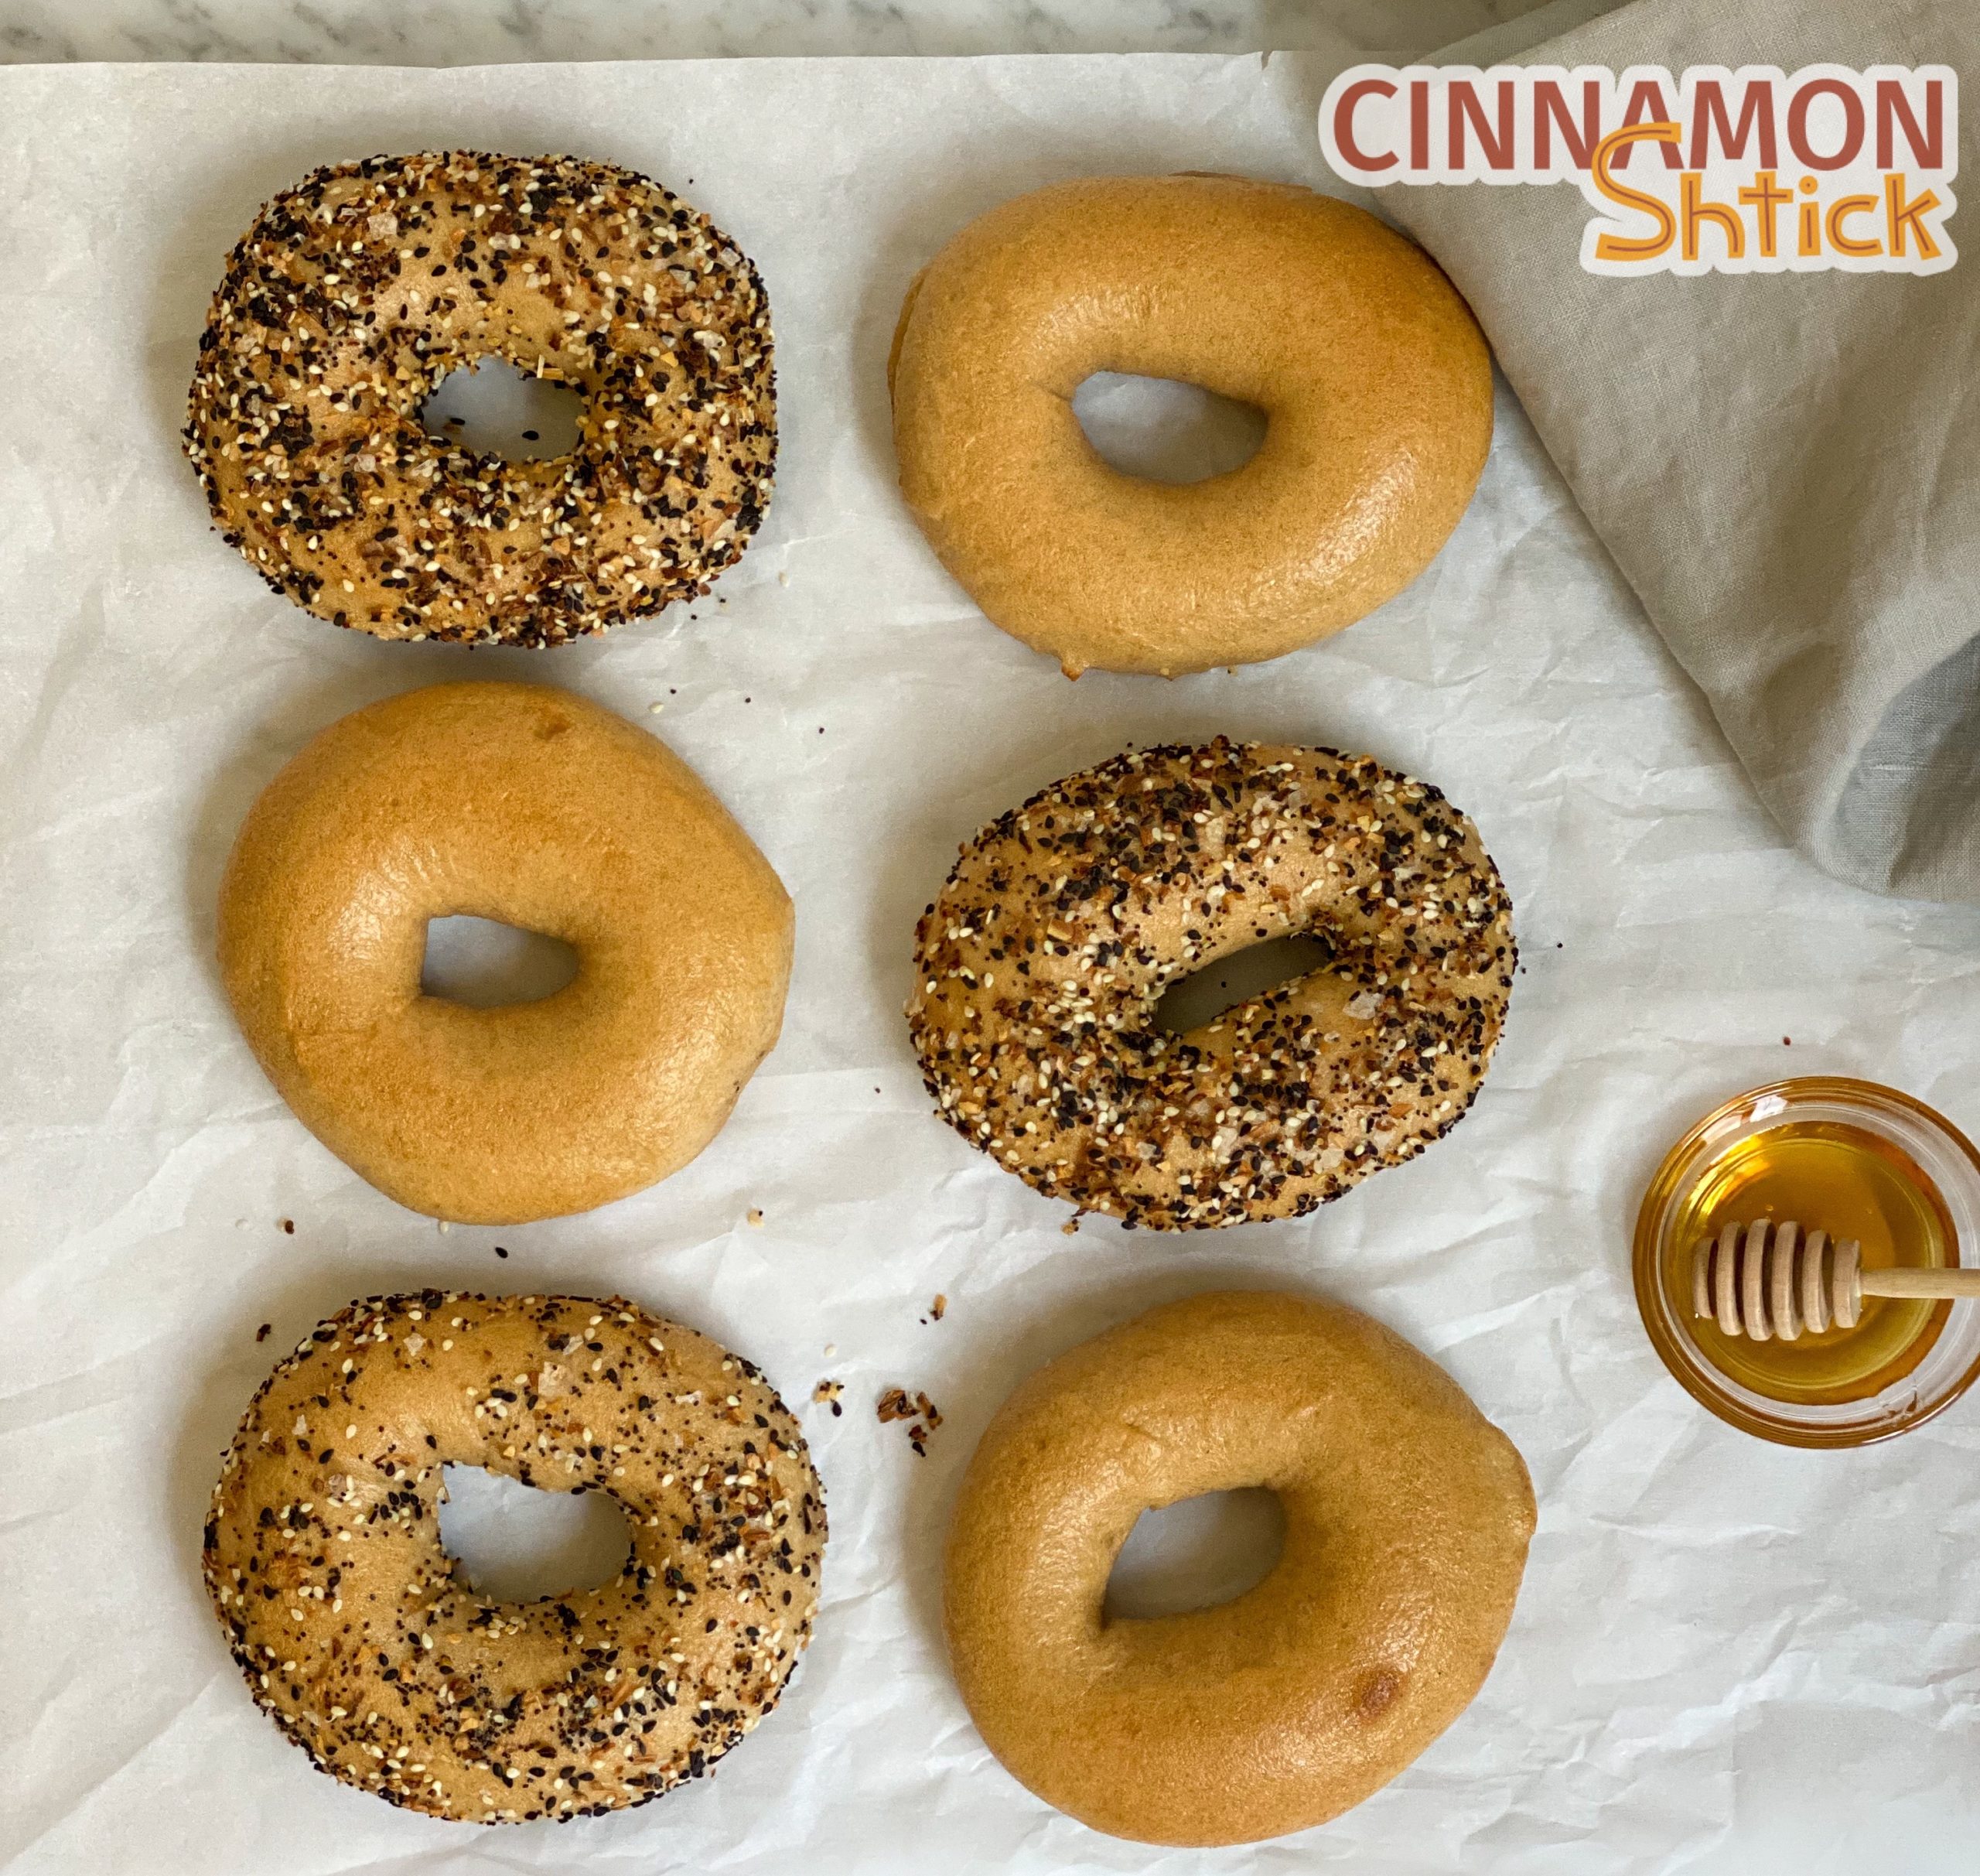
[(1857, 1160)]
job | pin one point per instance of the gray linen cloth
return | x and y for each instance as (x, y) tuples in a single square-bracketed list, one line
[(1786, 467)]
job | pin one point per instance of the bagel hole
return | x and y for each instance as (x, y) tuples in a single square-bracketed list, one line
[(485, 964), (1204, 996), (491, 408), (1195, 1554), (1161, 429), (517, 1543)]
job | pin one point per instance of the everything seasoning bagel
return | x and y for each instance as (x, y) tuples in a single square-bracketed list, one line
[(1038, 967), (358, 292), (359, 1637)]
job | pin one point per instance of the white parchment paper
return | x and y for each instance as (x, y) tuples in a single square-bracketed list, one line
[(1728, 1656)]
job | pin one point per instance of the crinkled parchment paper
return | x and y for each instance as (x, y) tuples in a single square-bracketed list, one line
[(1728, 1656)]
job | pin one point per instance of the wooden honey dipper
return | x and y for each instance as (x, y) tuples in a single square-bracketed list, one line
[(1763, 1279)]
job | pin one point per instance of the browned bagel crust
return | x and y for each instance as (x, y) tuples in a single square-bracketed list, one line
[(358, 292), (1374, 378), (540, 809), (323, 1557), (1408, 1516), (1038, 967)]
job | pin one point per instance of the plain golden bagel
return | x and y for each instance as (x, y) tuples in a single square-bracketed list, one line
[(323, 1557), (537, 808), (358, 292), (1407, 1513), (1039, 966), (1374, 377)]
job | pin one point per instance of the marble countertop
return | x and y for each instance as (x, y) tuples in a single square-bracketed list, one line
[(495, 32)]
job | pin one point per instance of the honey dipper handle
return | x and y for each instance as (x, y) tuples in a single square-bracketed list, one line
[(1963, 1283)]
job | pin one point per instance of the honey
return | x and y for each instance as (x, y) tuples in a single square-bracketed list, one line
[(1832, 1175), (1850, 1158)]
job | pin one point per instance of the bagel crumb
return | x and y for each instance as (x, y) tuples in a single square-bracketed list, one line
[(755, 1214), (897, 1404), (265, 1331), (826, 1393)]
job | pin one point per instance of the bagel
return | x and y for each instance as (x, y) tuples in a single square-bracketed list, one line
[(1374, 377), (323, 1557), (358, 292), (1039, 965), (531, 806), (1408, 1516)]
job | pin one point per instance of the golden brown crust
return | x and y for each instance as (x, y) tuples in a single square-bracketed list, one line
[(1039, 968), (323, 1557), (356, 292), (1373, 374), (1408, 1516), (536, 808)]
